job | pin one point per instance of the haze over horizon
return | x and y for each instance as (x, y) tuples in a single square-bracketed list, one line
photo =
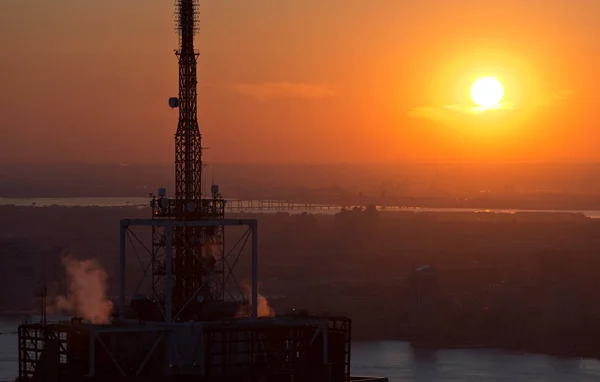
[(301, 82)]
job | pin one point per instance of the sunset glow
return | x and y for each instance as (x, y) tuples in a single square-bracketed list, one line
[(275, 75)]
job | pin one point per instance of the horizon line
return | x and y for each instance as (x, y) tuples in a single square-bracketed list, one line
[(308, 163)]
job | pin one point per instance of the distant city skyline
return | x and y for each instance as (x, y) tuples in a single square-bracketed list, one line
[(311, 82)]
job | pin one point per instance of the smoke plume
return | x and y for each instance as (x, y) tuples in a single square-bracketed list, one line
[(86, 296), (264, 310)]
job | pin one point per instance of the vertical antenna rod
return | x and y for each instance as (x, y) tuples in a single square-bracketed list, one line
[(187, 263), (186, 280), (188, 146)]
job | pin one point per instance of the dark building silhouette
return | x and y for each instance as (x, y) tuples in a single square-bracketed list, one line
[(423, 290)]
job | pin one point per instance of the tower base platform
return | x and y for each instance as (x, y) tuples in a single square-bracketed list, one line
[(282, 348)]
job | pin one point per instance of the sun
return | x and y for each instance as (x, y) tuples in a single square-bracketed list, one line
[(487, 92)]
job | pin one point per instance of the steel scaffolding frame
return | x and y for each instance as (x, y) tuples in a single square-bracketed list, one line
[(169, 229)]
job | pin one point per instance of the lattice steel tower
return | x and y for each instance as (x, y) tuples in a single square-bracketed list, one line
[(188, 148), (198, 279)]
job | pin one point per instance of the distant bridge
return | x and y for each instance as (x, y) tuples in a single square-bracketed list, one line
[(236, 205), (233, 205), (277, 206)]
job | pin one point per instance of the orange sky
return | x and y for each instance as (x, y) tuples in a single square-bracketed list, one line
[(301, 81)]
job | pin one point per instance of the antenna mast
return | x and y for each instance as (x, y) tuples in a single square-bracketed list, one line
[(195, 282), (188, 141)]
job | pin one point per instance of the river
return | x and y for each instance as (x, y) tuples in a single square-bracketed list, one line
[(399, 362)]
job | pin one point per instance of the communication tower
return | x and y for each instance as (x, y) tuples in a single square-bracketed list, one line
[(198, 251), (190, 325)]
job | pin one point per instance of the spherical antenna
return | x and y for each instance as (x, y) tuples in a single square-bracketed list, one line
[(173, 102)]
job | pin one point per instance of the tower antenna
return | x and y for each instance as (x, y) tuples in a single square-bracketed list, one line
[(196, 250), (188, 140)]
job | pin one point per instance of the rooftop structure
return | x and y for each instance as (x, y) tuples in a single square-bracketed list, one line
[(194, 321)]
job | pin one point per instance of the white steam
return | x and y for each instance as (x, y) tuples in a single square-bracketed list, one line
[(86, 296), (264, 309)]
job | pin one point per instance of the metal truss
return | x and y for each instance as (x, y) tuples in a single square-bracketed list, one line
[(288, 348), (282, 348), (188, 141), (220, 279), (33, 340), (91, 347)]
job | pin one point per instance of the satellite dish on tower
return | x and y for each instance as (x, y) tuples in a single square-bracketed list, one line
[(173, 102)]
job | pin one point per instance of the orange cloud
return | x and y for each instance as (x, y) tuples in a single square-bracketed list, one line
[(283, 90), (449, 113)]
